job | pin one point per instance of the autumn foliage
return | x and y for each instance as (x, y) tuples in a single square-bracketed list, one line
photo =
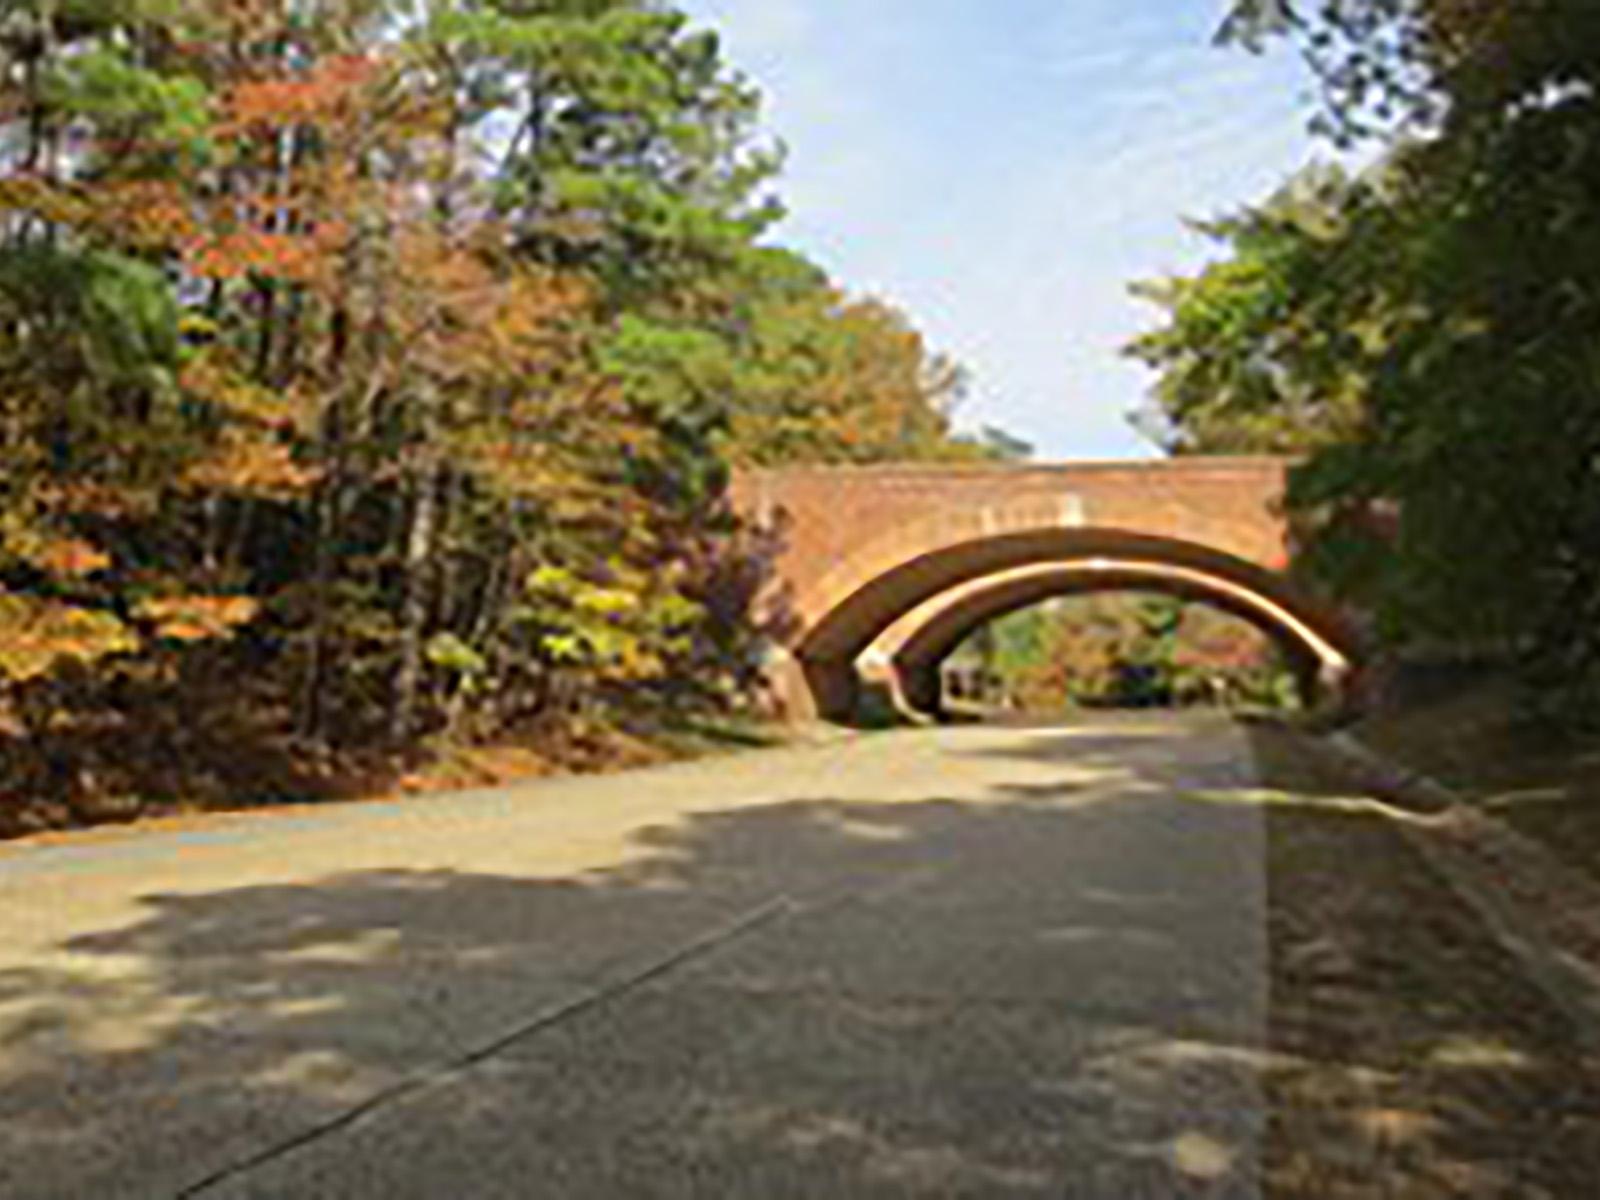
[(1124, 649), (370, 376)]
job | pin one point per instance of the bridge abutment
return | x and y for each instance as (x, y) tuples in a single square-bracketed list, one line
[(801, 690)]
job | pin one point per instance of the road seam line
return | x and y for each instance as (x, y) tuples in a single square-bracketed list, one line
[(744, 924)]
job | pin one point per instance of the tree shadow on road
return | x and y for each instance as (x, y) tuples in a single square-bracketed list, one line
[(748, 1003)]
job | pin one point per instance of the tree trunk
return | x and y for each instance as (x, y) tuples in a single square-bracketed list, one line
[(450, 497), (418, 575), (327, 528)]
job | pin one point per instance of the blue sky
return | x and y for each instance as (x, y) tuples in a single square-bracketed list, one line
[(1002, 169)]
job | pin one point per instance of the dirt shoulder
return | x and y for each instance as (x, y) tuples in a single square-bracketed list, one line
[(1412, 1055), (1479, 744)]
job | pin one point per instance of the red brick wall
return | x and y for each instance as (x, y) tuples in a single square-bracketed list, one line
[(833, 516)]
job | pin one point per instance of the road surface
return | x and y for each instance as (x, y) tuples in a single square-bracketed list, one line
[(961, 962)]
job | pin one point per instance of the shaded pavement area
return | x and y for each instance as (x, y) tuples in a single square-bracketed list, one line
[(1113, 960)]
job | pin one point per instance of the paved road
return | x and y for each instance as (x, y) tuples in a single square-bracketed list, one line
[(972, 962)]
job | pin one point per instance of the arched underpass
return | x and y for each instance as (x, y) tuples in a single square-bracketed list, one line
[(941, 596), (914, 650)]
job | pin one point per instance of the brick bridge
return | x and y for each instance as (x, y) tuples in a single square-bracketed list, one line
[(884, 571)]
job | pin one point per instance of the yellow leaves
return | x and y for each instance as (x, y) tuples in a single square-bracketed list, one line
[(248, 456), (251, 466), (144, 214), (59, 555), (45, 199), (458, 284), (211, 378), (148, 212), (198, 618), (36, 635)]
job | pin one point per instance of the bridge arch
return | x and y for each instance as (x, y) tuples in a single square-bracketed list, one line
[(936, 631), (962, 584)]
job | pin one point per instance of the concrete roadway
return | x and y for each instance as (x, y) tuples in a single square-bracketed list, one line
[(965, 962)]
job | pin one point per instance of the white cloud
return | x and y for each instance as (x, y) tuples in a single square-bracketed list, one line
[(1005, 185)]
